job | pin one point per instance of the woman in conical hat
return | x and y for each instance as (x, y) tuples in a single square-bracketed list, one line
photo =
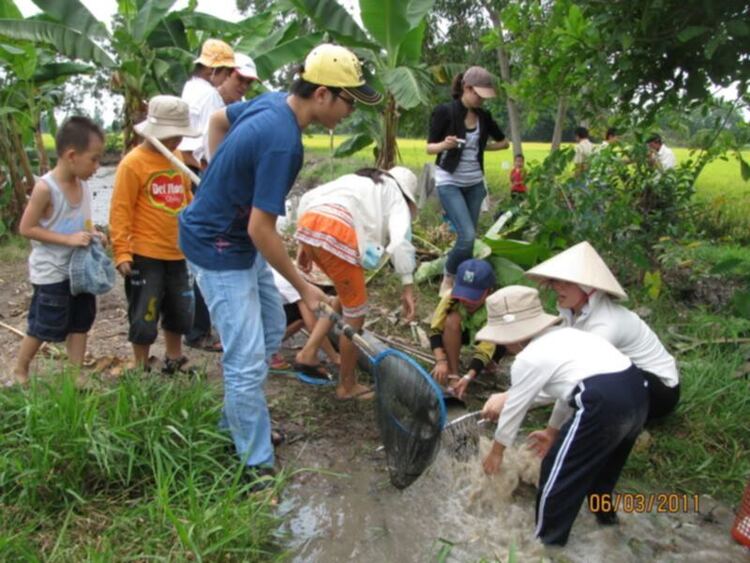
[(586, 290)]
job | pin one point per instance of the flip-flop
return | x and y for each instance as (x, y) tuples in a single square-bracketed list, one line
[(312, 380), (361, 396), (312, 371), (278, 437)]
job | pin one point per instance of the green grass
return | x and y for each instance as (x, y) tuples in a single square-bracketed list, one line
[(720, 185), (134, 471), (13, 248)]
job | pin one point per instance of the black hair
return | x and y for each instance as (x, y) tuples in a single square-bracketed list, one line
[(374, 174), (199, 69), (582, 133), (76, 132), (611, 132), (304, 89), (654, 138), (457, 86), (377, 175), (519, 155)]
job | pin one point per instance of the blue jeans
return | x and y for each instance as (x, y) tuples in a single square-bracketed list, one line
[(462, 205), (246, 310)]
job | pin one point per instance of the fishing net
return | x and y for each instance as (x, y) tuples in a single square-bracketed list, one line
[(409, 405), (410, 413)]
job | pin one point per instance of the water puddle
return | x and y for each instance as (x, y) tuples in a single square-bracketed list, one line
[(352, 513), (101, 185)]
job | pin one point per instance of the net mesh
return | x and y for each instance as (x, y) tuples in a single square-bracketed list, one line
[(410, 413)]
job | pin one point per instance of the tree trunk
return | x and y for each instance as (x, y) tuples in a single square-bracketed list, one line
[(503, 58), (22, 156), (562, 108), (12, 215), (387, 154)]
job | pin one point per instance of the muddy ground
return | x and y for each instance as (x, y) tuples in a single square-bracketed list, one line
[(346, 510)]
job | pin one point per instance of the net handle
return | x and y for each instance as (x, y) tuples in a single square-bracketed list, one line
[(348, 330), (173, 159)]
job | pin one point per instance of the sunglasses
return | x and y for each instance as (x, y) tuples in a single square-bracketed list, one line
[(349, 101)]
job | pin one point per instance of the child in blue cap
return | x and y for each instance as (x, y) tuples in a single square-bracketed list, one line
[(455, 322)]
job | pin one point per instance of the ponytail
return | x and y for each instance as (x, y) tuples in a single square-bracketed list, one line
[(457, 86)]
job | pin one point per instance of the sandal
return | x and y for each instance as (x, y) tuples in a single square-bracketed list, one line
[(173, 367), (278, 363), (312, 371), (208, 343), (278, 437)]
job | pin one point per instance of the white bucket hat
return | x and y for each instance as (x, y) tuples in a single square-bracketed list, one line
[(168, 116), (514, 314), (407, 183), (582, 265)]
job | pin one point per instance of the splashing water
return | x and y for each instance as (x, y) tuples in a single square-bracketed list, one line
[(456, 511)]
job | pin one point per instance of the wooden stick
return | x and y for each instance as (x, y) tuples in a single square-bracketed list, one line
[(52, 348), (173, 159)]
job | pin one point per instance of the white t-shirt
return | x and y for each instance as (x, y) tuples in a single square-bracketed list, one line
[(287, 291), (666, 158), (627, 332), (583, 150), (553, 363), (203, 100)]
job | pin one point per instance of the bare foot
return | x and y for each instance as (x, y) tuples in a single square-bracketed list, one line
[(15, 378), (360, 392)]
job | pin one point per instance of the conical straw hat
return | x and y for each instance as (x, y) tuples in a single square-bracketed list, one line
[(582, 265)]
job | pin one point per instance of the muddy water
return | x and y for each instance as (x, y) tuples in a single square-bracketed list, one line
[(353, 514)]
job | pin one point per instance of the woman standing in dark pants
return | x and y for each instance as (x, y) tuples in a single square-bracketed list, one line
[(459, 135)]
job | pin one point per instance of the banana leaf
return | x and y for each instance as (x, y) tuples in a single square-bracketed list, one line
[(434, 268), (525, 254)]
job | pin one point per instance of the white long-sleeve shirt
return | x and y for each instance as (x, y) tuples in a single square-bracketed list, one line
[(553, 363), (627, 332), (380, 214)]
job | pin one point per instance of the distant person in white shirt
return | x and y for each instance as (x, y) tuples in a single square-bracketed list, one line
[(232, 90), (601, 406), (661, 155), (611, 138), (212, 68), (583, 150)]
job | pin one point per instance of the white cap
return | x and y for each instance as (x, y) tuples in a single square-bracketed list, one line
[(245, 66)]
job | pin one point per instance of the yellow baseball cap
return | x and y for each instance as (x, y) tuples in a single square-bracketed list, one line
[(215, 53), (336, 66)]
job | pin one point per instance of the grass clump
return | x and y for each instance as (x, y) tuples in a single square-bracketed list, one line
[(135, 471)]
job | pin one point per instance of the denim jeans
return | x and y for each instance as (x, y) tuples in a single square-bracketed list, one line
[(246, 310), (462, 205)]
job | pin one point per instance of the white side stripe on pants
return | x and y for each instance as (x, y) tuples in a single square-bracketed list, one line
[(559, 459)]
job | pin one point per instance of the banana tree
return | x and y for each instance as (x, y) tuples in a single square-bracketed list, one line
[(391, 42)]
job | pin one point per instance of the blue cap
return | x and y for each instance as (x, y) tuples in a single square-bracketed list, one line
[(473, 279)]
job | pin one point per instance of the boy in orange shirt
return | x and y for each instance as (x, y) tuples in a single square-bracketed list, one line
[(148, 196)]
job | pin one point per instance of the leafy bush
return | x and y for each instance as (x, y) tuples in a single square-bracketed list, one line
[(620, 204)]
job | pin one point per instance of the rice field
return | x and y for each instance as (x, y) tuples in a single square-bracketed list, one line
[(719, 179)]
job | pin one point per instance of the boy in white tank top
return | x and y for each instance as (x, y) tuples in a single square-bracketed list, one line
[(57, 219)]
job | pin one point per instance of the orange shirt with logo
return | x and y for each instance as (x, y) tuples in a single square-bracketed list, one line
[(148, 196)]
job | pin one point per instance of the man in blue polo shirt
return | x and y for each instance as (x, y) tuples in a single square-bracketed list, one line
[(229, 232)]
